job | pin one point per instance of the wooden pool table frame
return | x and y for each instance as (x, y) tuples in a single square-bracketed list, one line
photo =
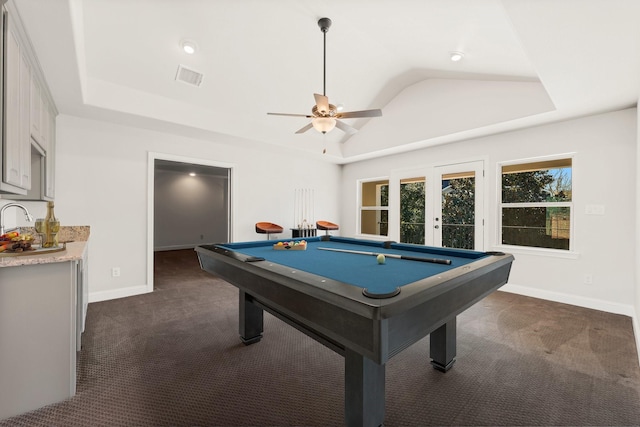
[(366, 332)]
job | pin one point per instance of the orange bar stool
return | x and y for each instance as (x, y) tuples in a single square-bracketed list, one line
[(268, 228), (326, 226)]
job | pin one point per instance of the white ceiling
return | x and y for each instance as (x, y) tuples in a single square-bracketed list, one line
[(526, 62)]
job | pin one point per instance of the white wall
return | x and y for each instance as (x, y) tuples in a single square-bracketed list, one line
[(189, 210), (603, 174), (101, 181)]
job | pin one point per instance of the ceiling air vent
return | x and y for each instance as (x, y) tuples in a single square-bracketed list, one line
[(188, 76)]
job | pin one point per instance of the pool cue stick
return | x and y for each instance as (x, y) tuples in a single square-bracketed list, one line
[(409, 258)]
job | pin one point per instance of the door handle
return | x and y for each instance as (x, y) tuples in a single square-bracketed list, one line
[(436, 226)]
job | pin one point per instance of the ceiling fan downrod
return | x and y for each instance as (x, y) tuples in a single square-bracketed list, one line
[(324, 24)]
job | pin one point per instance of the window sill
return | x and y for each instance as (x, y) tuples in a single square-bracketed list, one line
[(552, 253)]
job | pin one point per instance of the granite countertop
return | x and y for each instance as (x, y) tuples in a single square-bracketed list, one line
[(67, 233), (75, 250)]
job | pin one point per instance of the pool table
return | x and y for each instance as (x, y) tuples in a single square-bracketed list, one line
[(337, 292)]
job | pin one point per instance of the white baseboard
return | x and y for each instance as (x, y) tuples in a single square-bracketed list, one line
[(595, 304), (636, 333), (118, 293)]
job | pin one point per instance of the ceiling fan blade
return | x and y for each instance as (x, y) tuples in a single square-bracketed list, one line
[(306, 128), (356, 114), (345, 127), (291, 115), (322, 102)]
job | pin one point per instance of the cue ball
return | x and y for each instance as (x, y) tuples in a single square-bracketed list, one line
[(380, 259)]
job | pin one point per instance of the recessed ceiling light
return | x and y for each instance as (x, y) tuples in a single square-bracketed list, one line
[(457, 56), (189, 46), (192, 174)]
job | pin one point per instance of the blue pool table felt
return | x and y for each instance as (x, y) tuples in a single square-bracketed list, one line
[(356, 269)]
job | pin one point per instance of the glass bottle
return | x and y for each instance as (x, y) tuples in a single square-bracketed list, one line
[(51, 226)]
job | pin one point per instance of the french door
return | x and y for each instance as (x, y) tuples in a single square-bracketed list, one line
[(439, 206)]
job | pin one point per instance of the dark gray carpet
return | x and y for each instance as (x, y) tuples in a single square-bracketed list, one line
[(173, 358)]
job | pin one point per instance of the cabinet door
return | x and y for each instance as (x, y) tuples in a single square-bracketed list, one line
[(12, 152), (44, 125), (49, 128), (36, 110), (24, 123), (17, 143)]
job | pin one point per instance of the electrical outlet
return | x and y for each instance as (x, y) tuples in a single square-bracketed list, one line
[(588, 279), (115, 272)]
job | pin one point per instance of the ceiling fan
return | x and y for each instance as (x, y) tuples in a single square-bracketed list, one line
[(324, 116)]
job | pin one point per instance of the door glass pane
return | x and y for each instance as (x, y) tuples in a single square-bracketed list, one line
[(412, 209), (458, 210)]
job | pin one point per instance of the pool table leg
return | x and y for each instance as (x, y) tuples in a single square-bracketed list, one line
[(251, 320), (363, 390), (443, 346)]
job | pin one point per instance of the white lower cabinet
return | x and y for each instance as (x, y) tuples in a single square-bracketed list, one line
[(42, 311)]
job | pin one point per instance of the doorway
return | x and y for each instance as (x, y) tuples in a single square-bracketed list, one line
[(189, 204)]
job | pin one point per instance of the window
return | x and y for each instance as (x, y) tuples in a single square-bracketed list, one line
[(536, 205), (374, 207)]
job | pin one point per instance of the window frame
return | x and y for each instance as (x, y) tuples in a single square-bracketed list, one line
[(361, 208), (560, 253)]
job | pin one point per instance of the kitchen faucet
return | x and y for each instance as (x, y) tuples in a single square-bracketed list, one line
[(27, 215)]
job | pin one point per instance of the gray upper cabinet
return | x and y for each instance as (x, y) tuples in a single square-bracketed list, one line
[(28, 114), (17, 144), (49, 130), (36, 111)]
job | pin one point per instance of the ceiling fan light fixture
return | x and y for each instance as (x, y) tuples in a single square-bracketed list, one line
[(323, 124), (457, 56)]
